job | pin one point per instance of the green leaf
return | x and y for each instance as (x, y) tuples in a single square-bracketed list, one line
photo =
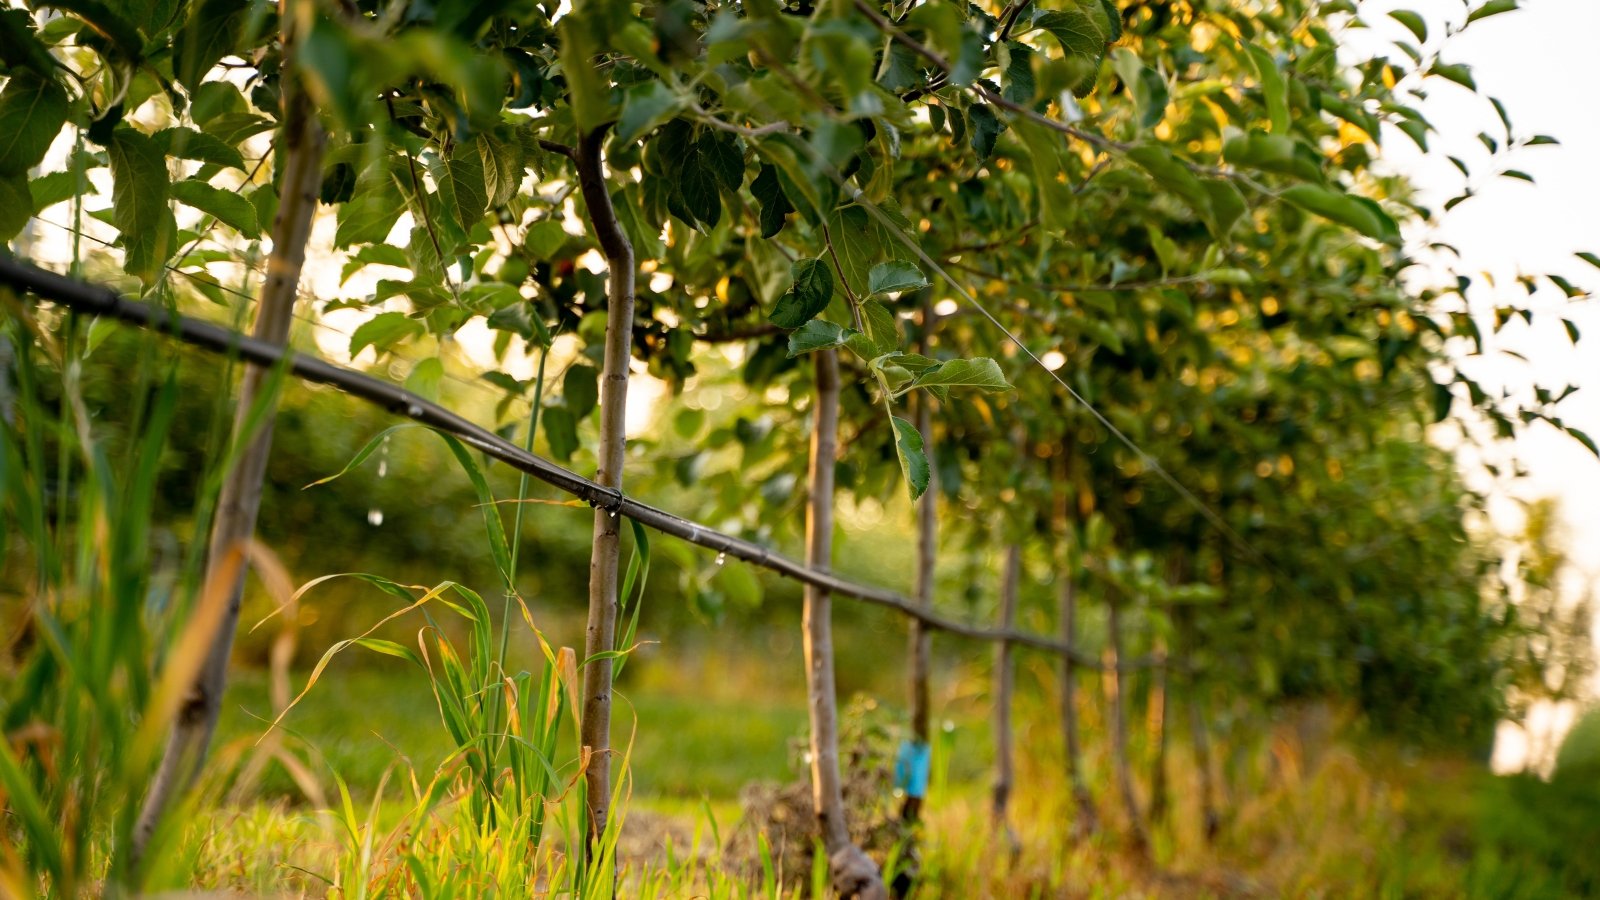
[(1443, 399), (48, 190), (235, 128), (383, 331), (775, 205), (20, 48), (588, 91), (228, 207), (1589, 258), (1273, 153), (561, 431), (186, 143), (645, 107), (502, 168), (462, 185), (581, 389), (1517, 174), (1272, 87), (1218, 205), (32, 111), (424, 378), (374, 254), (691, 172), (1020, 85), (212, 30), (1457, 72), (1078, 31), (913, 462), (1583, 438), (1572, 331), (109, 24), (895, 276), (1492, 8), (813, 288), (1362, 215), (1413, 23), (373, 208), (1149, 91), (986, 129), (642, 233), (1055, 201), (859, 242), (981, 373), (16, 205), (882, 328), (818, 334), (139, 191)]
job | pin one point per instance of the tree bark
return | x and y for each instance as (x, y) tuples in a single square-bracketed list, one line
[(1004, 775), (1119, 728), (1083, 802), (1087, 818), (301, 141), (600, 635), (1211, 821), (853, 873), (1159, 800), (921, 644)]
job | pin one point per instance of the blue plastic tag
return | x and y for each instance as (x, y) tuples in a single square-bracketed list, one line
[(912, 766)]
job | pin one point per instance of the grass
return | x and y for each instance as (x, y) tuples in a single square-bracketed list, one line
[(1306, 817), (362, 721)]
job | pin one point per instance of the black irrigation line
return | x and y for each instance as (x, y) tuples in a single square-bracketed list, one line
[(102, 301)]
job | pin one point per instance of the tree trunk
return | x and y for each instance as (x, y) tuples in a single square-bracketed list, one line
[(600, 635), (1158, 725), (853, 873), (1119, 728), (1211, 821), (915, 757), (301, 141), (1086, 818), (1082, 801), (1004, 775)]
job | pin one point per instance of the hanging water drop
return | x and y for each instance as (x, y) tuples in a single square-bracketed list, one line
[(722, 558), (383, 458), (374, 517)]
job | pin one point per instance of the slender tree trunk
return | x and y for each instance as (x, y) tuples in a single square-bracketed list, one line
[(1087, 819), (301, 142), (1119, 727), (853, 873), (1210, 818), (1211, 821), (1159, 800), (1004, 752), (1082, 801), (921, 649), (600, 635)]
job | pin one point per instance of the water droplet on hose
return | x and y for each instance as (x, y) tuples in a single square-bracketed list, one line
[(722, 558), (374, 517), (612, 514)]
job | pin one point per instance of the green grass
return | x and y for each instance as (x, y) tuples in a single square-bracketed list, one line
[(362, 720)]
